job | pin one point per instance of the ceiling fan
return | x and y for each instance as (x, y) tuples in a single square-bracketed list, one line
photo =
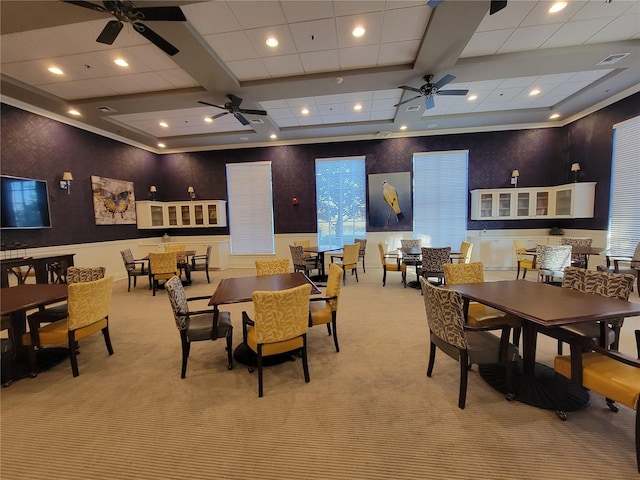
[(496, 5), (233, 107), (126, 12), (429, 90)]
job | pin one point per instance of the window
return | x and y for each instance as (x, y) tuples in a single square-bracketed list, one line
[(440, 198), (250, 208), (624, 217), (341, 200)]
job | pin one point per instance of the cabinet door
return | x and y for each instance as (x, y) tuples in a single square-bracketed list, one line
[(157, 216), (542, 204), (563, 202), (486, 205), (185, 215), (504, 204), (198, 214), (522, 206), (172, 214), (212, 214)]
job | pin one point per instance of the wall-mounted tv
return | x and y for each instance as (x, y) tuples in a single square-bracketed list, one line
[(24, 203)]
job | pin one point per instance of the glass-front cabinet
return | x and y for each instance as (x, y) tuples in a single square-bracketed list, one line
[(575, 200), (191, 214)]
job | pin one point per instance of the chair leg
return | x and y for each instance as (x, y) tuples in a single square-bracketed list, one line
[(335, 334), (229, 349), (384, 276), (524, 274), (73, 345), (432, 358), (464, 369), (107, 339), (129, 284), (356, 270), (206, 269), (260, 370), (32, 362), (185, 354), (518, 271), (305, 364)]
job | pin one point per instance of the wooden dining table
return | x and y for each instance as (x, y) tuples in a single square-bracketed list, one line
[(321, 251), (541, 305)]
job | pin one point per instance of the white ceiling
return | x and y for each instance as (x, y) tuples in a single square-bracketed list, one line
[(499, 58)]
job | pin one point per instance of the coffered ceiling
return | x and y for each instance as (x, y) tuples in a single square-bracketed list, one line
[(578, 59)]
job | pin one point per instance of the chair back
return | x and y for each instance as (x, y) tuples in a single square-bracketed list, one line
[(272, 266), (178, 300), (334, 282), (84, 274), (127, 257), (302, 243), (434, 258), (520, 247), (297, 255), (612, 285), (578, 258), (160, 263), (88, 302), (465, 252), (176, 247), (445, 314), (635, 260), (363, 246), (382, 248), (460, 273), (554, 258), (281, 314), (351, 253), (208, 254)]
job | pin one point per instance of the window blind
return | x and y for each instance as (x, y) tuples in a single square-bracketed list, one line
[(440, 198), (250, 207)]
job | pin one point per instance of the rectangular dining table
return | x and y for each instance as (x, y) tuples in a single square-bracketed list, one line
[(541, 305), (320, 251)]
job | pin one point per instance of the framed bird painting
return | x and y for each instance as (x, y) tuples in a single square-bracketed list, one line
[(113, 201), (390, 201)]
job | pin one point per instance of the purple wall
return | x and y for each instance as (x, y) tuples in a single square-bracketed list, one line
[(36, 147)]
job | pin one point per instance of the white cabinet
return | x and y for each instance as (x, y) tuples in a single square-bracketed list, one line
[(194, 214), (575, 200)]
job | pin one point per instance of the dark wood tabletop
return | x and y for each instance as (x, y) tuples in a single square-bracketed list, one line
[(238, 290), (28, 296)]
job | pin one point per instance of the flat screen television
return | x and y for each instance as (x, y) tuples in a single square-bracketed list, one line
[(24, 203)]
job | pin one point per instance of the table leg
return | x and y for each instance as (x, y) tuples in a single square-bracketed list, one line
[(529, 343)]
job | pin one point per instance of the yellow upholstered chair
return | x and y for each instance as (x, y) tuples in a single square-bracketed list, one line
[(524, 260), (325, 309), (462, 342), (363, 251), (391, 263), (162, 266), (349, 259), (607, 372), (465, 252), (272, 266), (280, 325), (181, 260), (88, 304)]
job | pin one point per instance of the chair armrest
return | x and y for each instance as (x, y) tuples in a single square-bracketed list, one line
[(246, 320), (204, 297), (316, 299), (619, 356)]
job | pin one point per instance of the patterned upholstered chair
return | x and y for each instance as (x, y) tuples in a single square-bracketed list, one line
[(196, 326), (88, 304), (349, 260), (551, 261), (577, 259), (624, 264), (581, 336), (466, 344), (433, 260), (162, 266), (302, 263), (610, 373), (324, 310), (280, 325), (363, 251), (181, 260), (407, 258), (201, 262), (305, 244), (391, 263), (135, 268), (524, 260), (272, 266)]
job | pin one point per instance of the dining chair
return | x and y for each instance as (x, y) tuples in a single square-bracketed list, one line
[(349, 260), (88, 304), (391, 263), (433, 260), (280, 325), (181, 259), (612, 374), (272, 266), (163, 266), (524, 260), (465, 252), (324, 310), (201, 262), (464, 343), (577, 259), (408, 258), (135, 268), (551, 261), (302, 263), (624, 264), (196, 326), (362, 252), (305, 244)]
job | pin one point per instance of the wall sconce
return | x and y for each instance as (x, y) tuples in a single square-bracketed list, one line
[(514, 178), (65, 183), (575, 168), (152, 192), (192, 193)]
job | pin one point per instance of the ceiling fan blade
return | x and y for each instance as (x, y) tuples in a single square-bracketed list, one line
[(252, 112), (110, 32), (164, 14), (434, 3), (496, 6), (452, 92), (242, 120), (444, 80), (156, 39), (429, 103), (407, 101), (413, 89), (211, 105), (235, 101), (219, 115), (90, 5)]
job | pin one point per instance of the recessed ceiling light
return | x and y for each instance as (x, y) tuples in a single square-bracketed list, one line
[(305, 111), (55, 70), (357, 107), (273, 136), (272, 42), (403, 127), (556, 7), (554, 116), (432, 125), (121, 62), (73, 111), (208, 119), (244, 139), (164, 124), (161, 145), (358, 31), (471, 98), (534, 92)]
